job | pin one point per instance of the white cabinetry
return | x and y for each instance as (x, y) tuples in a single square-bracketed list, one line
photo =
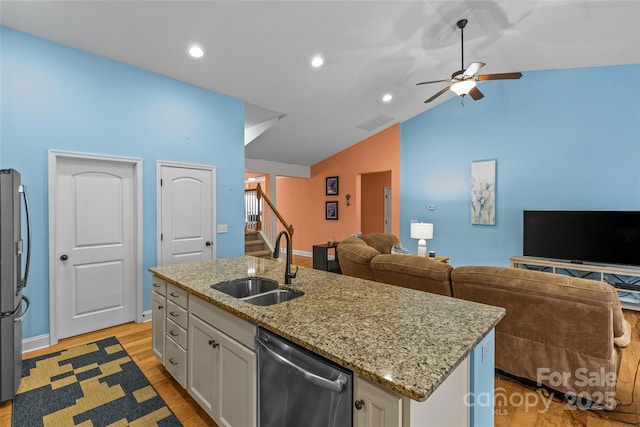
[(222, 364), (176, 342), (625, 279), (375, 406), (158, 317)]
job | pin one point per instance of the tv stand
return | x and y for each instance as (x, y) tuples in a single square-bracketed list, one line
[(625, 279)]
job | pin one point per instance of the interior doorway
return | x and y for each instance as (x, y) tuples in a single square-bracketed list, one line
[(372, 205)]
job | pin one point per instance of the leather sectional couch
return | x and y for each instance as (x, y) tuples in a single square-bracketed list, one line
[(563, 332)]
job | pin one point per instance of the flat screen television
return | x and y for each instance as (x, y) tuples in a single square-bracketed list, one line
[(601, 237)]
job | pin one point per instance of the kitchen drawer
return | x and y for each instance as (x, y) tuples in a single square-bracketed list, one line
[(177, 295), (159, 285), (177, 333), (176, 362), (238, 329), (177, 314)]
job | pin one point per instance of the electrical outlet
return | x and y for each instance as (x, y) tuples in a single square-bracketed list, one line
[(485, 350)]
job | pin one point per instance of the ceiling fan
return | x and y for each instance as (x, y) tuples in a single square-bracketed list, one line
[(463, 81)]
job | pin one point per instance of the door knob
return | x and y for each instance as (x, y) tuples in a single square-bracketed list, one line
[(64, 257), (359, 404), (208, 243)]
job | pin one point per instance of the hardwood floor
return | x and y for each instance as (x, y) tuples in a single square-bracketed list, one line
[(136, 339)]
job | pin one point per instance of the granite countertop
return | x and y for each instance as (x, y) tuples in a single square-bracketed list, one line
[(405, 340)]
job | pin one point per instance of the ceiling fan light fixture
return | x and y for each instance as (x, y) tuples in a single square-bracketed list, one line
[(463, 87)]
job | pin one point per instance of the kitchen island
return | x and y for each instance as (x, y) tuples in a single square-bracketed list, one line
[(403, 340)]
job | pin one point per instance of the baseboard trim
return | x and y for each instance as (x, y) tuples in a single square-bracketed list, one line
[(146, 316), (303, 253), (35, 343)]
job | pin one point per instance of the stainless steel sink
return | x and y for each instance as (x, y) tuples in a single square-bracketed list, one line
[(246, 287), (273, 297)]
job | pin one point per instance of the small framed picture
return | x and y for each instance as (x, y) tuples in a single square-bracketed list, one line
[(332, 186), (331, 210)]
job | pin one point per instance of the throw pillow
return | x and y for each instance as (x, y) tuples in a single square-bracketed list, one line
[(399, 250)]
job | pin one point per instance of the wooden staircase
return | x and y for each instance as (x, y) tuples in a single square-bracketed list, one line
[(255, 245)]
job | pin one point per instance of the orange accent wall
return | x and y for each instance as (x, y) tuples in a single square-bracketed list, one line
[(302, 200)]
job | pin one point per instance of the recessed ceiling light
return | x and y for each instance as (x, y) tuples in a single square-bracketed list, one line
[(317, 61), (387, 97), (196, 51)]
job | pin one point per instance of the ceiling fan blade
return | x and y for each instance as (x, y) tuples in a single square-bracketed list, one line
[(437, 94), (476, 94), (432, 81), (500, 76), (472, 69)]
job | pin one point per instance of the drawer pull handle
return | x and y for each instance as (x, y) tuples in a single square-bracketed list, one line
[(173, 314), (172, 361), (173, 294), (359, 404), (213, 343), (156, 285), (172, 333), (160, 307)]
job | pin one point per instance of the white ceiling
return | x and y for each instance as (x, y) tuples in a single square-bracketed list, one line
[(259, 51)]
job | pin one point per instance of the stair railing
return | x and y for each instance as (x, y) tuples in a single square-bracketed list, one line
[(264, 217)]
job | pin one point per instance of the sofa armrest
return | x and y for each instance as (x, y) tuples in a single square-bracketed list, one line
[(623, 340)]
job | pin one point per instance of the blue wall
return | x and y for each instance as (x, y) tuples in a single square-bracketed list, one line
[(562, 139), (55, 97)]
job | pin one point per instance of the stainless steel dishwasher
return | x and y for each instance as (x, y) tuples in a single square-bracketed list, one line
[(298, 388)]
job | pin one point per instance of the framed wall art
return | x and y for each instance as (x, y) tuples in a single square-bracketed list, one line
[(331, 210), (332, 186), (483, 192)]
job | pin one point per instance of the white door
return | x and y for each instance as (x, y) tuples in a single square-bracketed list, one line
[(186, 214), (95, 229)]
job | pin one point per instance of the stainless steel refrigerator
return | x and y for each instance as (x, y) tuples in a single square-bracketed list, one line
[(12, 279)]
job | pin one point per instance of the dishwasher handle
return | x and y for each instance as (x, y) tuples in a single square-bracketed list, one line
[(336, 386)]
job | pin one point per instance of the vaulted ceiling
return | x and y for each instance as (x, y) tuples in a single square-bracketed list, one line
[(260, 52)]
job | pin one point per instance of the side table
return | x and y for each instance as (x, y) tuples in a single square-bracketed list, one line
[(321, 259)]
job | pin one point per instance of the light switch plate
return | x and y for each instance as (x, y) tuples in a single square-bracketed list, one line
[(223, 228)]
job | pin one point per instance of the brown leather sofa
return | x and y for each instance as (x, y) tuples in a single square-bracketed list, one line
[(369, 257), (565, 333)]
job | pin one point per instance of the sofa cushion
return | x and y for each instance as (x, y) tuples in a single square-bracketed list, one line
[(382, 242), (355, 256), (414, 272)]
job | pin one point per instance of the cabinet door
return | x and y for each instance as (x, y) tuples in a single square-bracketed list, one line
[(378, 407), (158, 327), (203, 353), (237, 384)]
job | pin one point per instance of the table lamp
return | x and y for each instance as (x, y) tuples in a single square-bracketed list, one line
[(422, 231)]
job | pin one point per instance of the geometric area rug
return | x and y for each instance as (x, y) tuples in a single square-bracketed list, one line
[(95, 384)]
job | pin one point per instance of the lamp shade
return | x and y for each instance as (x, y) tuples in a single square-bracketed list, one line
[(421, 230)]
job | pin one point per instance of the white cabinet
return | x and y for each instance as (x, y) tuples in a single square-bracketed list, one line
[(176, 340), (203, 356), (222, 370), (374, 406), (158, 317), (445, 407), (624, 278)]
